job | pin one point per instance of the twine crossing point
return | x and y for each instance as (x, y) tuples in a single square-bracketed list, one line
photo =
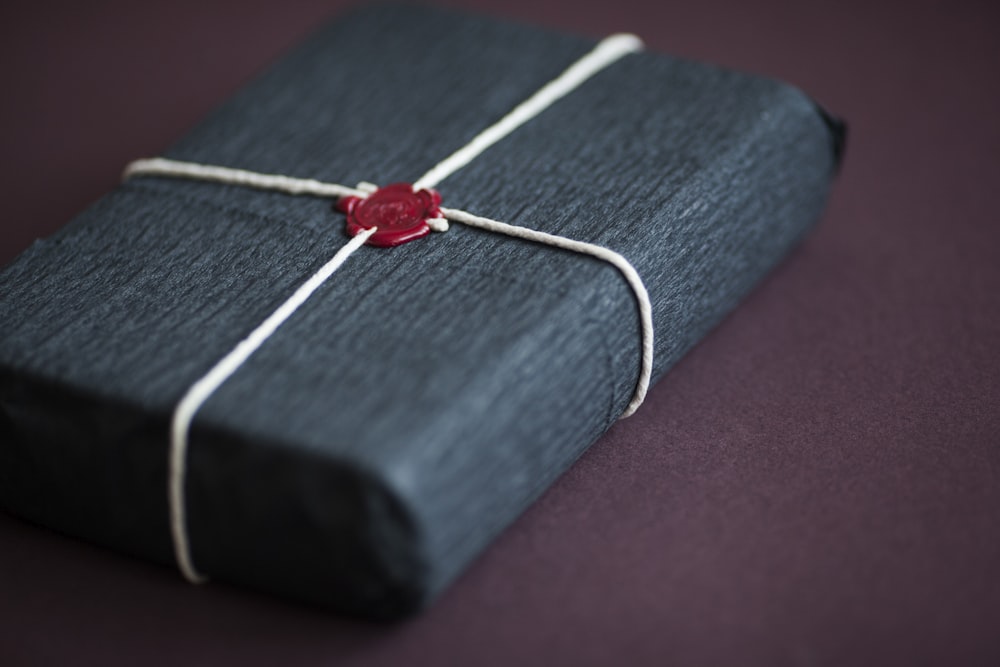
[(604, 54)]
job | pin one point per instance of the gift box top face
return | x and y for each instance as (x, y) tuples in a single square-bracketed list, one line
[(426, 393)]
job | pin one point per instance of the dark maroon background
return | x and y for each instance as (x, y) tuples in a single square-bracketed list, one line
[(818, 483)]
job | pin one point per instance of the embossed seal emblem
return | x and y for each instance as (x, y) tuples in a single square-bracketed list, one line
[(399, 212)]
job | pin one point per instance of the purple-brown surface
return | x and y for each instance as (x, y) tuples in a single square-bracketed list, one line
[(817, 483)]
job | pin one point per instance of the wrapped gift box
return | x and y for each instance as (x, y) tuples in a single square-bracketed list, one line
[(425, 394)]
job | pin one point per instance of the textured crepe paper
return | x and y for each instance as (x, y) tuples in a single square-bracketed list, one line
[(426, 394)]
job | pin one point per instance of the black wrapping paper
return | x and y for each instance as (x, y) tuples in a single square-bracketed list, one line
[(426, 394)]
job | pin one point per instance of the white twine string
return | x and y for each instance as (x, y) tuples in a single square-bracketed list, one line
[(605, 53), (600, 252), (159, 166), (199, 392)]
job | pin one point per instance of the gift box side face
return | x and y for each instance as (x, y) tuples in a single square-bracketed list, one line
[(427, 394)]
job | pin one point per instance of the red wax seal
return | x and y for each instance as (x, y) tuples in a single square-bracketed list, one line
[(399, 213)]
